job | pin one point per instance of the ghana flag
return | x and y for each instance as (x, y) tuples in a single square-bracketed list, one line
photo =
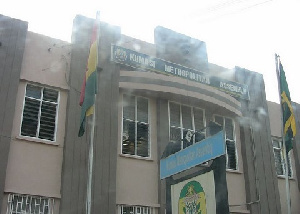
[(89, 86), (289, 123)]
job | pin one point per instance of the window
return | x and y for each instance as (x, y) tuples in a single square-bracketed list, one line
[(124, 209), (279, 160), (39, 112), (135, 126), (186, 124), (20, 204), (228, 126)]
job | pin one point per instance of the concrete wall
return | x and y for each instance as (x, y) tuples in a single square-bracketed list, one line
[(58, 169), (46, 61), (263, 197), (12, 44), (182, 49), (260, 175), (296, 145), (276, 124), (162, 88), (74, 174), (236, 178), (34, 165), (135, 176)]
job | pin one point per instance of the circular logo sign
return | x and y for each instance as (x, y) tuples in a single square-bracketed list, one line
[(192, 199)]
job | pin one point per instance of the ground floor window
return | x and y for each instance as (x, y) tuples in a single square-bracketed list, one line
[(21, 204), (126, 209)]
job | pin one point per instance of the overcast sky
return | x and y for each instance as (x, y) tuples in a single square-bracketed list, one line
[(245, 33)]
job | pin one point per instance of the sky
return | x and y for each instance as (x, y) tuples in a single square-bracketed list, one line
[(244, 33)]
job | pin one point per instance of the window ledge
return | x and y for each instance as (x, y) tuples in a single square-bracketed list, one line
[(234, 171), (37, 140), (136, 157), (239, 211), (283, 177)]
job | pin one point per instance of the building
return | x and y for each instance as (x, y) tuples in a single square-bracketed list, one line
[(34, 90), (148, 95)]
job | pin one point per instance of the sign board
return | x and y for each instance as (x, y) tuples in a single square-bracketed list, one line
[(201, 191), (198, 153), (148, 63), (194, 195)]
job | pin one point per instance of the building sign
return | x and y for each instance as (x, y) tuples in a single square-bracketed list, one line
[(195, 195), (193, 155), (192, 199), (147, 63)]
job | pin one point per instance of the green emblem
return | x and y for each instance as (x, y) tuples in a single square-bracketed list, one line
[(192, 199)]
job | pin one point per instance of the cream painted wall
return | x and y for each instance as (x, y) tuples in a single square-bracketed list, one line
[(275, 112), (46, 60), (34, 165), (137, 178), (275, 118), (236, 179), (179, 91), (34, 168), (295, 195)]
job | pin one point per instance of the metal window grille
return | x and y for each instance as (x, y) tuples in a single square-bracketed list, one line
[(186, 124), (39, 112), (228, 126), (27, 204), (135, 126), (125, 209)]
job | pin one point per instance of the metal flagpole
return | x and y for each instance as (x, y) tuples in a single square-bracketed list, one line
[(287, 186), (91, 143), (90, 165)]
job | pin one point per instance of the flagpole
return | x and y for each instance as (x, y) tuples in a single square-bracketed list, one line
[(91, 143), (90, 165), (287, 186)]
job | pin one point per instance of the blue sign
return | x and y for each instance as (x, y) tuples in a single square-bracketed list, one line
[(205, 150)]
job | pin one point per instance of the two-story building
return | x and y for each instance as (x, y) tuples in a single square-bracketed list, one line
[(149, 96)]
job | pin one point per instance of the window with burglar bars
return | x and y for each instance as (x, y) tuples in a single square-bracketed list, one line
[(124, 209), (228, 126), (186, 124), (135, 126), (279, 160), (21, 204), (39, 112)]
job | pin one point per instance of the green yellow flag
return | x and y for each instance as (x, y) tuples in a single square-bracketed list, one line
[(289, 123), (89, 86)]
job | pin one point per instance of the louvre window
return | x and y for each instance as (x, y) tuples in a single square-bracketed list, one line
[(228, 126), (135, 126), (20, 204), (186, 124), (279, 160), (39, 113)]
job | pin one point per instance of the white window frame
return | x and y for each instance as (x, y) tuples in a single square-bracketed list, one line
[(181, 123), (136, 121), (23, 204), (280, 149), (231, 140), (39, 115)]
